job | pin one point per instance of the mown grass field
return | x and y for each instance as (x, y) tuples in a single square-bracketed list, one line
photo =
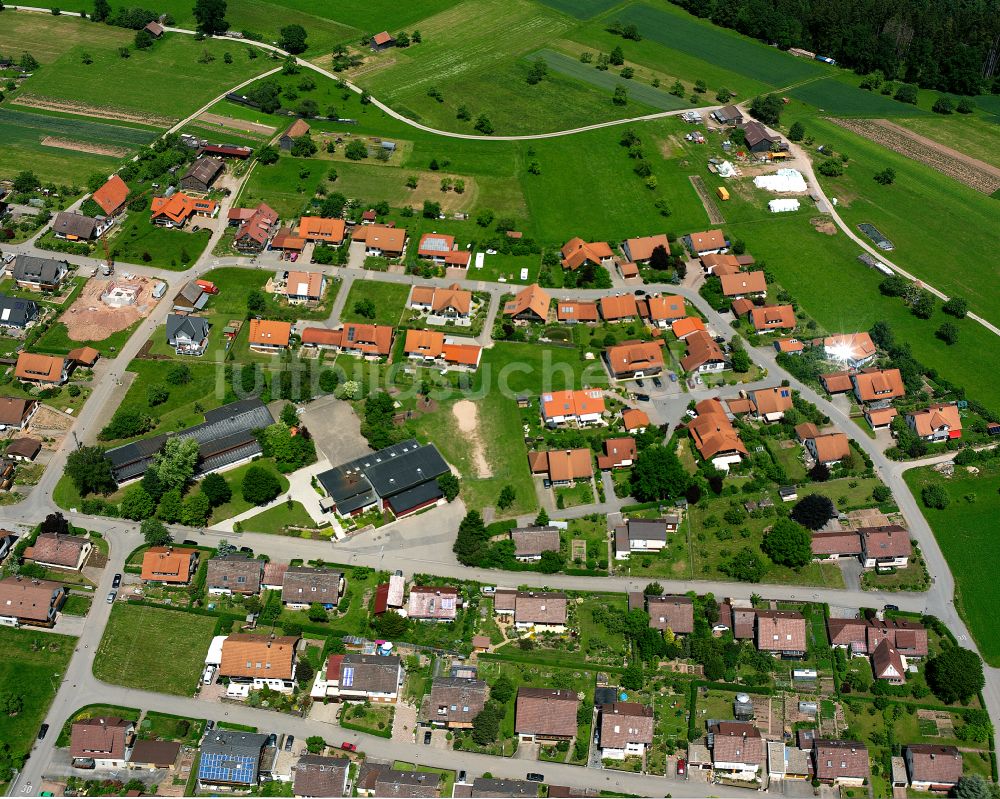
[(32, 668), (943, 231), (466, 40), (608, 80), (287, 185), (966, 533), (389, 299), (33, 33), (168, 662), (157, 86)]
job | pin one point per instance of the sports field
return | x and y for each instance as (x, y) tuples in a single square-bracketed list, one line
[(608, 80), (153, 649), (966, 532)]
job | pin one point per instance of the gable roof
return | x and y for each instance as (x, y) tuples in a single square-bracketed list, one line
[(310, 584), (934, 763), (384, 237), (683, 328), (41, 368), (831, 447), (257, 224), (624, 723), (270, 332), (73, 224), (576, 252), (297, 129), (435, 245), (875, 384), (772, 317), (245, 655), (373, 674), (662, 308), (24, 447), (193, 327), (887, 663), (57, 549), (305, 284), (675, 612), (888, 541), (546, 712), (225, 571), (534, 540), (641, 249), (836, 382), (934, 418), (701, 349), (14, 409), (317, 228), (839, 542), (316, 775), (633, 356), (850, 346), (581, 402), (776, 399), (433, 602), (620, 306), (461, 699), (27, 599), (179, 206), (35, 269), (835, 759), (707, 240), (616, 450), (736, 742), (103, 738), (781, 631), (167, 564), (204, 169), (562, 465), (540, 607), (743, 283), (633, 419), (720, 263), (112, 195), (17, 311), (532, 298), (712, 432)]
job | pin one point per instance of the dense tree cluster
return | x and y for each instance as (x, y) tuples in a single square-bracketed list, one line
[(944, 45)]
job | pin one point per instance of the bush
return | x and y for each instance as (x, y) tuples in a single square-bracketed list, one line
[(260, 485), (935, 496)]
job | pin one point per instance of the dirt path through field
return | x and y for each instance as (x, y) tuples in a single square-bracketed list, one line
[(84, 147), (714, 214), (964, 168), (237, 124), (468, 422)]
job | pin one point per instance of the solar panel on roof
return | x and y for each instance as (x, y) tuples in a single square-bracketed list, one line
[(347, 676)]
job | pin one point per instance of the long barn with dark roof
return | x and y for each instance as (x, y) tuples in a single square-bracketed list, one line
[(227, 436)]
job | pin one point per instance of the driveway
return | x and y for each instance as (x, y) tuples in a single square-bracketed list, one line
[(356, 255), (336, 430)]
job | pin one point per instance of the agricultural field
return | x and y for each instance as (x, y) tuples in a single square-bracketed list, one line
[(32, 33), (645, 94), (920, 213), (169, 662), (155, 87), (975, 135), (831, 95), (61, 149), (965, 531), (581, 9)]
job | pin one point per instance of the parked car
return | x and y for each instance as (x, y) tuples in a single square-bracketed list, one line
[(209, 725), (295, 257), (289, 740), (247, 550), (534, 776), (657, 382), (639, 383), (681, 768), (640, 293), (892, 607), (642, 397), (488, 589), (42, 731), (347, 746), (673, 377), (117, 581), (111, 596), (462, 775), (427, 737)]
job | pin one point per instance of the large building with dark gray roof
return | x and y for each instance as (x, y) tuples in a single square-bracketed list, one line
[(226, 437), (231, 759), (402, 478)]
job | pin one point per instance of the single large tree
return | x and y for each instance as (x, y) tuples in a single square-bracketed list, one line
[(813, 511), (472, 540), (155, 533), (293, 39), (176, 463), (137, 504), (215, 487), (658, 475), (788, 544), (102, 9), (955, 675), (90, 471), (260, 485), (486, 726), (211, 16)]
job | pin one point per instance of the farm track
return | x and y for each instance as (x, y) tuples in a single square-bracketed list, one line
[(970, 171), (714, 214)]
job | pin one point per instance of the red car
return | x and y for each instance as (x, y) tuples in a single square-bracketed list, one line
[(347, 746), (681, 768)]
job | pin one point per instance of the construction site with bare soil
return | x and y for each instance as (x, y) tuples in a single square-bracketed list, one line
[(108, 306)]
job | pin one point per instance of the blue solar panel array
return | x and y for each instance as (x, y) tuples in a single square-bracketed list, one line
[(215, 767)]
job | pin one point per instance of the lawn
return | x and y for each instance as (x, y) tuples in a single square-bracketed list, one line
[(168, 662), (32, 667), (919, 213), (138, 237), (33, 33), (627, 206), (77, 605), (502, 442), (276, 519), (368, 718), (965, 531), (581, 493), (164, 727), (234, 477), (514, 368), (179, 410), (790, 459), (389, 299), (157, 86), (287, 186)]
